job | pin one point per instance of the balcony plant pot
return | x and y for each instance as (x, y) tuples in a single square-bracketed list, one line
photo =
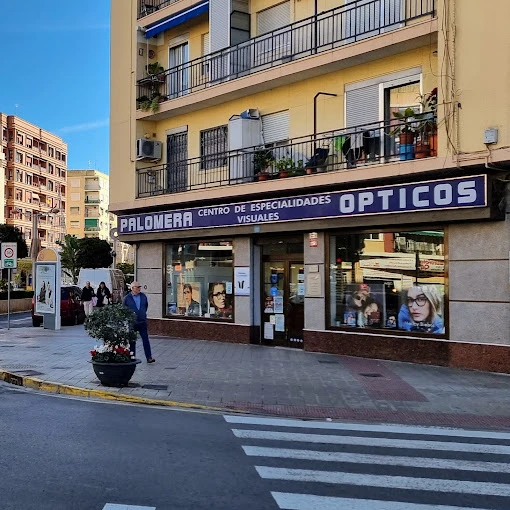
[(406, 137), (433, 144), (263, 176), (114, 374), (283, 174), (421, 150), (310, 171)]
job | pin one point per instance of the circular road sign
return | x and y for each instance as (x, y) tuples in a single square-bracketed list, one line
[(8, 253)]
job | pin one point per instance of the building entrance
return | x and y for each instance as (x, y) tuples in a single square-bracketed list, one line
[(283, 294)]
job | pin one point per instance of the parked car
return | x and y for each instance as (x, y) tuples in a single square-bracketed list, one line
[(114, 279), (71, 307)]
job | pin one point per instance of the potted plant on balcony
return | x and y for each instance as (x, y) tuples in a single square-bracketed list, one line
[(113, 362), (427, 125), (262, 162), (406, 132), (285, 167)]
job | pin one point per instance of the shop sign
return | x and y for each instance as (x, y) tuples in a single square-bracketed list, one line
[(454, 193)]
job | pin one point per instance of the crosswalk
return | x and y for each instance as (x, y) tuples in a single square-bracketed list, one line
[(340, 466)]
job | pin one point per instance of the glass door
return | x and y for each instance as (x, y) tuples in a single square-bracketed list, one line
[(283, 303), (178, 77)]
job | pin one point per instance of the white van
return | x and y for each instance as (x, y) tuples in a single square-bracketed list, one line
[(113, 278)]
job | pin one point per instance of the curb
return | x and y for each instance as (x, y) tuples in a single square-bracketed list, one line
[(65, 389)]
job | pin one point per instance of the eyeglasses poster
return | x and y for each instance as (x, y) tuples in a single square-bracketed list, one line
[(44, 291)]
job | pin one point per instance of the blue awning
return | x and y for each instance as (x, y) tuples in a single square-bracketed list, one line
[(177, 19)]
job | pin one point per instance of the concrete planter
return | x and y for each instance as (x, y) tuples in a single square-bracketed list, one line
[(17, 305)]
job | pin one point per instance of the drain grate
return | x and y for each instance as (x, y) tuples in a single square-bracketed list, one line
[(19, 367), (155, 387), (328, 361), (33, 346), (171, 368), (371, 375), (28, 373), (7, 346), (60, 368)]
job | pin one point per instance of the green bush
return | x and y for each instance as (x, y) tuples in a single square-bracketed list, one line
[(17, 294)]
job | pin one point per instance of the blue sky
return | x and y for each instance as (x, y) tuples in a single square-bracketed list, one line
[(55, 59)]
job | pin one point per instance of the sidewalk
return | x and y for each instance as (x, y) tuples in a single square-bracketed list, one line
[(263, 380)]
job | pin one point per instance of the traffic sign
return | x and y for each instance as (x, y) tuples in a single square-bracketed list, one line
[(9, 255)]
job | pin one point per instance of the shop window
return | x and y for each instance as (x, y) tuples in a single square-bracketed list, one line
[(213, 147), (392, 281), (199, 280)]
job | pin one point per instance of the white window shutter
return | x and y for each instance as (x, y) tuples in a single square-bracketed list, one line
[(362, 106), (275, 127), (273, 18), (206, 44)]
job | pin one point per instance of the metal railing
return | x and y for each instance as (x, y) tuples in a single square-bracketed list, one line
[(331, 29), (368, 144), (146, 7)]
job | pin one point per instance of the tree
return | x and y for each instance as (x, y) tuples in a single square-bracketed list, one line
[(24, 269), (69, 256), (94, 253), (126, 268), (10, 234)]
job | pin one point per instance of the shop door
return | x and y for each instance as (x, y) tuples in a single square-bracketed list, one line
[(283, 303)]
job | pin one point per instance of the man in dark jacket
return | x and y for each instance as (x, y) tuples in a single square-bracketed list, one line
[(87, 294), (137, 301)]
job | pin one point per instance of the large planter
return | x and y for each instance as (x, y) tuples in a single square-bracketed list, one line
[(114, 374)]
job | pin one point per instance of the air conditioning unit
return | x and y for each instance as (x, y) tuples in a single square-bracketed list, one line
[(148, 149)]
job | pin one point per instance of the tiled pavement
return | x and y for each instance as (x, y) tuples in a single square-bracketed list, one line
[(270, 380)]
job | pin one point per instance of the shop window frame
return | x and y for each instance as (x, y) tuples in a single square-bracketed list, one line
[(387, 331), (165, 314)]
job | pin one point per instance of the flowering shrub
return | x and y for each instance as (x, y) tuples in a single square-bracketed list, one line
[(113, 325)]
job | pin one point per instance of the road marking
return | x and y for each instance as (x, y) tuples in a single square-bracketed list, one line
[(288, 501), (359, 427), (386, 481), (383, 460), (113, 506), (372, 441)]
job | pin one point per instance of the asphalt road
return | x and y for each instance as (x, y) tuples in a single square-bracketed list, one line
[(62, 454), (17, 320)]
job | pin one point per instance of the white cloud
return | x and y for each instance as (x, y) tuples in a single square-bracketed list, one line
[(86, 126)]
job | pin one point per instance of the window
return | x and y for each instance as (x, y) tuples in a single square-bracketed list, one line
[(199, 280), (213, 147), (396, 284), (75, 197), (51, 152), (19, 157), (75, 223), (28, 179), (29, 161), (19, 138), (74, 210), (273, 18), (28, 142), (75, 183)]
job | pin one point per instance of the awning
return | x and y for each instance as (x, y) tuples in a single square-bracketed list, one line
[(35, 195), (176, 19)]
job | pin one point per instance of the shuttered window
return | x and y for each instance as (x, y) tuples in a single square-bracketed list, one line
[(275, 127), (273, 18), (213, 147), (219, 24), (205, 44), (362, 105)]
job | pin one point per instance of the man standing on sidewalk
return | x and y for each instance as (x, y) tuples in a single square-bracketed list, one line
[(137, 301), (87, 294)]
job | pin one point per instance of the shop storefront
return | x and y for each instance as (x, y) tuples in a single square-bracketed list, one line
[(366, 272)]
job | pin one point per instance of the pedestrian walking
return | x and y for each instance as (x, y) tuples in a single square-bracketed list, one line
[(87, 294), (138, 302), (103, 295)]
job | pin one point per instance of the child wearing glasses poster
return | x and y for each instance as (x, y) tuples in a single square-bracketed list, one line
[(220, 304)]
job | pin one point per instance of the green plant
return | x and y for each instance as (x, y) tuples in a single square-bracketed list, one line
[(427, 120), (408, 121), (262, 160), (290, 166), (155, 68), (114, 325)]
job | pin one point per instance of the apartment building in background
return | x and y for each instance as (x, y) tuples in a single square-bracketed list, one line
[(88, 212), (34, 188), (323, 175)]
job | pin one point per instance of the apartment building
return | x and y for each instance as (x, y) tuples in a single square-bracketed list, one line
[(88, 204), (35, 187), (325, 175)]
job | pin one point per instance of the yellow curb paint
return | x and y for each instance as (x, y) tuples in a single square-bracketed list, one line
[(65, 389)]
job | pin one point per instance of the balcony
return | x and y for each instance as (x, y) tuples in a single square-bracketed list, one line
[(93, 186), (92, 201), (146, 7), (338, 27), (91, 229), (376, 143)]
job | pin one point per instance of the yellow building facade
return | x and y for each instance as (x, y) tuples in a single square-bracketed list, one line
[(319, 175)]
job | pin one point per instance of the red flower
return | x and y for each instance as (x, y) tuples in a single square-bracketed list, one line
[(93, 353)]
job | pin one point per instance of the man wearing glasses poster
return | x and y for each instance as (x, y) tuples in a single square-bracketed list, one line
[(137, 301)]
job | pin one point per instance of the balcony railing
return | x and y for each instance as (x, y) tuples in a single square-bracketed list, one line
[(331, 29), (368, 144), (91, 229), (146, 7), (92, 201)]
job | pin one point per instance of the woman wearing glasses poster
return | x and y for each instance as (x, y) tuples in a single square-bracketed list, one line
[(422, 311), (219, 302)]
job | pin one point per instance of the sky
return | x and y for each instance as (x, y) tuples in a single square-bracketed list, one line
[(54, 72)]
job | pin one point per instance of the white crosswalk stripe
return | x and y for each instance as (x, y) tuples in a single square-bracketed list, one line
[(421, 468)]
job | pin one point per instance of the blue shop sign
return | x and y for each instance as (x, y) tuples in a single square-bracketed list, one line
[(455, 193)]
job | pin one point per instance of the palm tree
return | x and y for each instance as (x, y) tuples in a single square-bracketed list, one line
[(69, 257)]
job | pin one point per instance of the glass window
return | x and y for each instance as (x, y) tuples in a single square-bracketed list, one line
[(392, 280), (213, 146), (199, 280)]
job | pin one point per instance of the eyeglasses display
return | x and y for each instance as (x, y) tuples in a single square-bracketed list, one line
[(199, 280), (389, 280)]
